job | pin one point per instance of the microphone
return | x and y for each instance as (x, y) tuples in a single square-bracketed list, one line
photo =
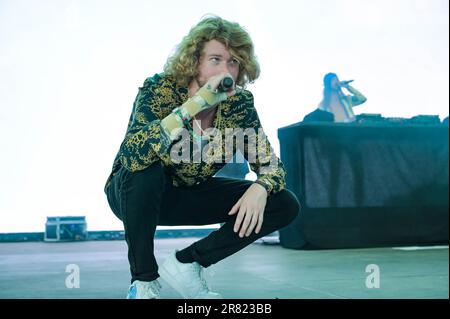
[(345, 82), (226, 84)]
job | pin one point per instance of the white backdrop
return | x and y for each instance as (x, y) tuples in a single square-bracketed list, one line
[(70, 70)]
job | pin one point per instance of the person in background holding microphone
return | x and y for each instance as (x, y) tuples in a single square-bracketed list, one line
[(336, 102), (202, 88), (335, 105)]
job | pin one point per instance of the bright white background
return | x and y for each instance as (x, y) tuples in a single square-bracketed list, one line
[(70, 70)]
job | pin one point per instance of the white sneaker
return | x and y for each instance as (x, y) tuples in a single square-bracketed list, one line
[(186, 279), (144, 290)]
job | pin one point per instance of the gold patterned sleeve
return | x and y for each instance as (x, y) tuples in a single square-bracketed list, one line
[(145, 141), (259, 153)]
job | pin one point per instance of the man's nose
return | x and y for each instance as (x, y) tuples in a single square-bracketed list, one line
[(225, 67)]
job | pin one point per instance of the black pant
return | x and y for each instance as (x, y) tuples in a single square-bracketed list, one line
[(147, 198)]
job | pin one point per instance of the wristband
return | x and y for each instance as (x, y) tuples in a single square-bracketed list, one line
[(182, 113)]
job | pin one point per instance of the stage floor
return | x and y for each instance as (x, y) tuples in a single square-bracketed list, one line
[(38, 270)]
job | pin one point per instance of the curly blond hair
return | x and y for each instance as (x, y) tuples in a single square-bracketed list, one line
[(183, 64)]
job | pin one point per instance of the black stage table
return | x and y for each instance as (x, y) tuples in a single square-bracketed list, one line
[(366, 185)]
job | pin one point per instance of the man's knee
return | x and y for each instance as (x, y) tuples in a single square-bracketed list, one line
[(288, 205)]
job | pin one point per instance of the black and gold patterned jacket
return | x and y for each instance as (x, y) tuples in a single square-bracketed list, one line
[(144, 142)]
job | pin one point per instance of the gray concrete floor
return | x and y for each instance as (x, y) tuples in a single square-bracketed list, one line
[(38, 270)]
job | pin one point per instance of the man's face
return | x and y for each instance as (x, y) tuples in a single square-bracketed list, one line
[(216, 59)]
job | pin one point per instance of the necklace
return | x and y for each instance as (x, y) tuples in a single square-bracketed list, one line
[(215, 124), (202, 133)]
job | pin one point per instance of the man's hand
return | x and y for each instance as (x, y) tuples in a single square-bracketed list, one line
[(208, 96), (250, 208), (214, 82)]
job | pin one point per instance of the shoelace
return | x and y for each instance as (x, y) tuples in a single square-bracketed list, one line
[(199, 272), (203, 279), (204, 273)]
